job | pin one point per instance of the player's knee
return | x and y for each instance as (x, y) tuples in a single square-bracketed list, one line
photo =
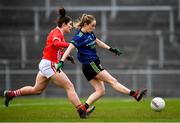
[(113, 82), (101, 92)]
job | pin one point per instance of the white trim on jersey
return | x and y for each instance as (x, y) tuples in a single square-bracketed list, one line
[(56, 38)]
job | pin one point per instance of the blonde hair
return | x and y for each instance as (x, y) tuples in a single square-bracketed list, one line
[(84, 19)]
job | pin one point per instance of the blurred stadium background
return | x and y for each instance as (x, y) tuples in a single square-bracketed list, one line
[(147, 31)]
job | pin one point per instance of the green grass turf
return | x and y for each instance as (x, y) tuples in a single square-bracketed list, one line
[(107, 110)]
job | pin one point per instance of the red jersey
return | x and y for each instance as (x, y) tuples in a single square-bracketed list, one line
[(55, 45)]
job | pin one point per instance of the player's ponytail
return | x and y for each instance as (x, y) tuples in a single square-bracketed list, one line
[(84, 19), (62, 12), (63, 18)]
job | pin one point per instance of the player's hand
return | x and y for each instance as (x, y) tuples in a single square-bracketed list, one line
[(71, 59), (115, 51), (59, 66)]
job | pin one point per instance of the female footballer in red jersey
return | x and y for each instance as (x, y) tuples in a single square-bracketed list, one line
[(52, 53), (85, 41)]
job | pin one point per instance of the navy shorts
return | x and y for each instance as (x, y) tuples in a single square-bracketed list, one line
[(92, 69)]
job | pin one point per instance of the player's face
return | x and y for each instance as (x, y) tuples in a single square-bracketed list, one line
[(68, 27), (91, 27)]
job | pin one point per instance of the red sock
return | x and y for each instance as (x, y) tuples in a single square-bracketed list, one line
[(81, 106), (132, 93), (14, 93)]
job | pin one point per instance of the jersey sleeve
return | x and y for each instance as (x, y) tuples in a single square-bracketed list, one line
[(74, 41), (57, 40), (93, 35), (60, 44)]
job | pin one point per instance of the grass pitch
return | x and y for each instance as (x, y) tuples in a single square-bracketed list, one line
[(107, 110)]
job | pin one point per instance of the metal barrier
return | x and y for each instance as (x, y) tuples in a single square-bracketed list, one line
[(103, 10)]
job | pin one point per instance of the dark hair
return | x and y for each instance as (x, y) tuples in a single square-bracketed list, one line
[(63, 18)]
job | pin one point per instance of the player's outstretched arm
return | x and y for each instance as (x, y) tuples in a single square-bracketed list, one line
[(116, 51), (67, 52), (65, 55), (102, 44), (105, 46)]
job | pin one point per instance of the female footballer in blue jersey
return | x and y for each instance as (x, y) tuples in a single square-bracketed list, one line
[(85, 41)]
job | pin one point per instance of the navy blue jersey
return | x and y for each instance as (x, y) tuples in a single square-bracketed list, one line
[(86, 45)]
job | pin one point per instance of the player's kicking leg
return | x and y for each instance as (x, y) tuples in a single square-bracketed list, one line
[(138, 94)]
